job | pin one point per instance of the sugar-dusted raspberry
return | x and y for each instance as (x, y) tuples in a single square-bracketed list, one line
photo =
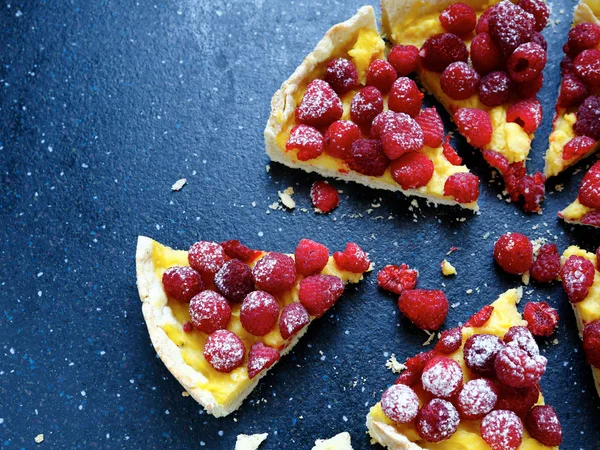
[(463, 187), (541, 318), (516, 368), (480, 318), (546, 266), (518, 400), (293, 318), (206, 257), (261, 357), (526, 62), (234, 280), (459, 81), (588, 118), (307, 140), (485, 54), (224, 351), (566, 65), (450, 341), (259, 313), (495, 88), (400, 403), (480, 352), (587, 67), (404, 58), (442, 377), (477, 398), (522, 338), (397, 278), (459, 19), (483, 22), (409, 378), (339, 138), (418, 362), (533, 190), (342, 75), (320, 105), (577, 147), (441, 50), (475, 125), (510, 26), (539, 39), (311, 257), (405, 97), (592, 218), (318, 293), (412, 170), (234, 249), (433, 128), (352, 259), (182, 283), (543, 425), (209, 311), (367, 157), (573, 91), (577, 276), (382, 75), (529, 89), (401, 135), (274, 273), (514, 253), (539, 10), (324, 196), (450, 153), (502, 430), (427, 309), (387, 120), (589, 191), (437, 420), (591, 343), (366, 104), (582, 37)]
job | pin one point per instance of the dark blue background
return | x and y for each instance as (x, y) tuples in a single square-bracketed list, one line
[(104, 104)]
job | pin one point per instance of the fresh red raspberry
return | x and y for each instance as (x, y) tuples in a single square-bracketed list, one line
[(412, 170), (587, 67), (541, 318), (450, 153), (437, 420), (463, 187), (405, 97), (459, 19), (566, 65), (427, 309), (293, 318), (533, 190), (441, 50), (516, 368), (598, 258), (382, 75), (591, 343), (592, 218), (543, 425), (502, 430), (514, 173), (397, 278), (529, 89), (522, 338), (475, 125), (261, 357), (577, 147), (352, 259), (588, 118), (539, 10), (224, 351), (234, 280), (526, 62), (495, 88), (442, 377), (234, 249), (408, 378), (387, 120), (573, 91), (400, 403), (311, 257), (367, 157), (485, 54), (459, 81), (324, 196), (206, 257), (339, 138), (433, 128), (480, 318), (514, 253), (518, 401), (577, 276), (510, 26), (182, 283), (477, 398), (539, 39), (320, 105), (275, 273), (546, 266), (480, 352), (307, 140), (418, 362), (401, 135), (404, 58), (589, 191), (582, 37), (342, 75), (450, 341), (259, 313), (188, 327), (366, 104), (483, 22), (318, 293), (209, 311)]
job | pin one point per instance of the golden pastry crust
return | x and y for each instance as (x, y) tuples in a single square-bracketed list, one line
[(340, 441), (388, 436)]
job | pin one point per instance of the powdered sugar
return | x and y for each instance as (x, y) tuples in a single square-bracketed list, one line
[(477, 398), (293, 318), (442, 377), (502, 430), (480, 351), (437, 420)]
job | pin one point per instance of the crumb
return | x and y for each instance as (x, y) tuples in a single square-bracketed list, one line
[(268, 168), (486, 235), (559, 187), (185, 394), (555, 341), (525, 278), (393, 364), (179, 184), (447, 268), (39, 438), (286, 199), (429, 339), (452, 250), (252, 441), (469, 291)]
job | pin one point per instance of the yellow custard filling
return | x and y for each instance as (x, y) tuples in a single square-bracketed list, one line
[(575, 211)]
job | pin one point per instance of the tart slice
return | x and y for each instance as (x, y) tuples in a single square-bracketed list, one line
[(585, 209), (220, 315), (466, 393), (346, 113), (483, 61)]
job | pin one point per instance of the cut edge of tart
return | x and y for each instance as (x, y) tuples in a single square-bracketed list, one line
[(577, 212), (340, 441)]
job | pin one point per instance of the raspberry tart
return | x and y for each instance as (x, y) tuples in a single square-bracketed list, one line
[(585, 209), (220, 315)]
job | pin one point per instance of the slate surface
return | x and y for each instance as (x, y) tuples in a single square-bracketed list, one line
[(104, 105)]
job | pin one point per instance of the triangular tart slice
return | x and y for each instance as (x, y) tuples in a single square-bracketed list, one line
[(212, 321), (585, 209)]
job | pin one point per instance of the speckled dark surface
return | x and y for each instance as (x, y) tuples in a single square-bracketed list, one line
[(104, 105)]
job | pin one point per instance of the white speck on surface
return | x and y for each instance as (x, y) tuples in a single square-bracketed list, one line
[(39, 438), (179, 184)]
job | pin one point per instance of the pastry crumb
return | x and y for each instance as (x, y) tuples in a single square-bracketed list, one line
[(249, 442), (179, 184), (185, 394), (469, 291), (525, 278), (429, 339), (286, 199), (39, 438), (447, 268), (393, 364)]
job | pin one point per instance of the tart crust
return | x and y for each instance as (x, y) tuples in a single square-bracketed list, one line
[(340, 441)]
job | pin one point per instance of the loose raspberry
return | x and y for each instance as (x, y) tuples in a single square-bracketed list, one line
[(442, 377), (307, 141), (293, 318), (480, 352), (352, 259), (259, 313), (541, 318), (583, 36), (320, 105), (382, 75), (182, 283), (588, 118), (339, 138), (401, 135), (450, 153), (342, 75), (522, 338), (387, 120), (477, 398), (366, 104), (463, 187), (485, 54), (397, 278), (529, 89), (433, 128), (459, 19), (480, 318), (324, 196), (206, 257), (591, 343), (441, 50), (589, 191), (318, 293), (412, 170), (587, 67), (518, 401), (261, 357), (367, 157), (539, 10), (209, 311), (526, 62), (427, 309), (543, 425), (437, 420), (483, 22), (311, 257), (405, 97), (577, 147), (514, 253), (533, 190), (450, 341), (475, 125), (510, 26), (234, 280), (459, 81), (404, 58), (224, 351), (573, 91), (516, 368), (592, 218), (577, 276), (502, 430), (234, 249), (400, 403), (495, 88), (546, 266), (274, 273)]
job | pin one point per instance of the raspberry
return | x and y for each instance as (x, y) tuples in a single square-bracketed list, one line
[(526, 113), (541, 318), (475, 125), (539, 39), (441, 50), (502, 430), (518, 401), (307, 141), (495, 88), (437, 420), (516, 368), (382, 75), (311, 257), (401, 135), (577, 276), (591, 343), (483, 22), (546, 266), (588, 118), (577, 147), (293, 318), (533, 190), (224, 351), (412, 170), (320, 105), (339, 138), (598, 258), (526, 62), (459, 81), (514, 173), (514, 253), (259, 313), (405, 97), (400, 403), (261, 357), (587, 67), (397, 278), (366, 104), (367, 157), (404, 58), (573, 91), (182, 283), (342, 75), (480, 352), (459, 19), (592, 218), (450, 153), (427, 309), (450, 341), (209, 311), (418, 362), (442, 377), (589, 191), (485, 55), (510, 26), (463, 187), (539, 10), (188, 327), (529, 89), (480, 318), (408, 378), (324, 196), (432, 126), (274, 273), (318, 293), (387, 120), (477, 398), (566, 65), (522, 338), (234, 249), (582, 37), (352, 259), (206, 257), (543, 425), (234, 280)]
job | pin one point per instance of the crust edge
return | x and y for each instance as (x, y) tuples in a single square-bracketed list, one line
[(388, 436)]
